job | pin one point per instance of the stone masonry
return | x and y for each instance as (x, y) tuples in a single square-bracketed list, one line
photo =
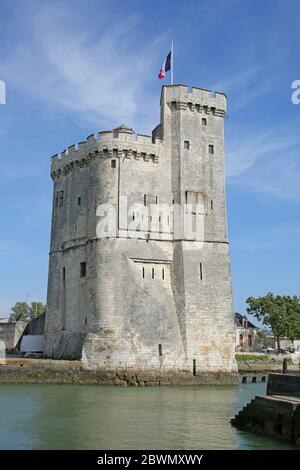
[(152, 297)]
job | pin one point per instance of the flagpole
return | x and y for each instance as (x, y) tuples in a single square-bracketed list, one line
[(172, 62)]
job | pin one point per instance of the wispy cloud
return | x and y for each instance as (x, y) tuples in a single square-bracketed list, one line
[(247, 86), (99, 78), (274, 238), (266, 162)]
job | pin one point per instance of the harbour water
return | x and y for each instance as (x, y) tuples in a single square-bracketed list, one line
[(104, 417)]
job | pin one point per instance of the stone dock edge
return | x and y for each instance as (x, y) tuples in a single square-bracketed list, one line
[(39, 371)]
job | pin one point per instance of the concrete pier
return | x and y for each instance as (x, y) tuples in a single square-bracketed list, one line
[(278, 413)]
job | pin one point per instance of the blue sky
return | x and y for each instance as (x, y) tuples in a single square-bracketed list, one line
[(75, 68)]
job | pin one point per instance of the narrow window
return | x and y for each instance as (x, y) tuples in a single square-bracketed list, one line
[(85, 321), (201, 272), (133, 216), (204, 122), (79, 201), (156, 199), (83, 269), (145, 199), (163, 273), (56, 200), (160, 350), (113, 163), (241, 341), (211, 204), (186, 144), (61, 199), (194, 367), (143, 273), (152, 273), (211, 149), (64, 274)]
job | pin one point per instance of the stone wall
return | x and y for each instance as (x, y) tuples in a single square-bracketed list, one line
[(11, 333), (153, 297)]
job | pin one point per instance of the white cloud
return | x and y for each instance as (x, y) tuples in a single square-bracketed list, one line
[(99, 77), (264, 162), (274, 238), (247, 86)]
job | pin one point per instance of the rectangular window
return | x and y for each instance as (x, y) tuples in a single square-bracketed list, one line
[(211, 204), (163, 273), (56, 200), (152, 273), (160, 350), (64, 274), (211, 149), (83, 269), (61, 199), (145, 199), (79, 201), (186, 144), (143, 273), (204, 122), (201, 272), (113, 163), (194, 367)]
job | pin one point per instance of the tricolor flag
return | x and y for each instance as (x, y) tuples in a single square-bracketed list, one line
[(166, 66)]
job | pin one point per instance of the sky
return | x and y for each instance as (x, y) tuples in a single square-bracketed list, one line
[(74, 68)]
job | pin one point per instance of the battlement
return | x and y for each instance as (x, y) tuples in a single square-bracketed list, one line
[(198, 99), (119, 142)]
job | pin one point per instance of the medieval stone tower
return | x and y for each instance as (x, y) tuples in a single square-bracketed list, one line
[(153, 296)]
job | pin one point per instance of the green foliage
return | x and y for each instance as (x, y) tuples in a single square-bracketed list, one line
[(252, 357), (22, 311), (280, 313)]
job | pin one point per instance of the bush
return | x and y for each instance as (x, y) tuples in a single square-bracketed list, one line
[(251, 357)]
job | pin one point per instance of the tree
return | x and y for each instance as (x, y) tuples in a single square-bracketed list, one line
[(22, 311), (280, 313)]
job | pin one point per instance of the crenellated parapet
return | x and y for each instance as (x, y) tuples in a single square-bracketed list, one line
[(199, 100), (120, 143)]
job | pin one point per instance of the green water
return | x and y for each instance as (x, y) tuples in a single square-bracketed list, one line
[(104, 417)]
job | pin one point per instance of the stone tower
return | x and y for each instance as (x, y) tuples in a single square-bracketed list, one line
[(153, 292)]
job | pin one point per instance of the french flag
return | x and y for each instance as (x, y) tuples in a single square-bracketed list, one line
[(166, 66)]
